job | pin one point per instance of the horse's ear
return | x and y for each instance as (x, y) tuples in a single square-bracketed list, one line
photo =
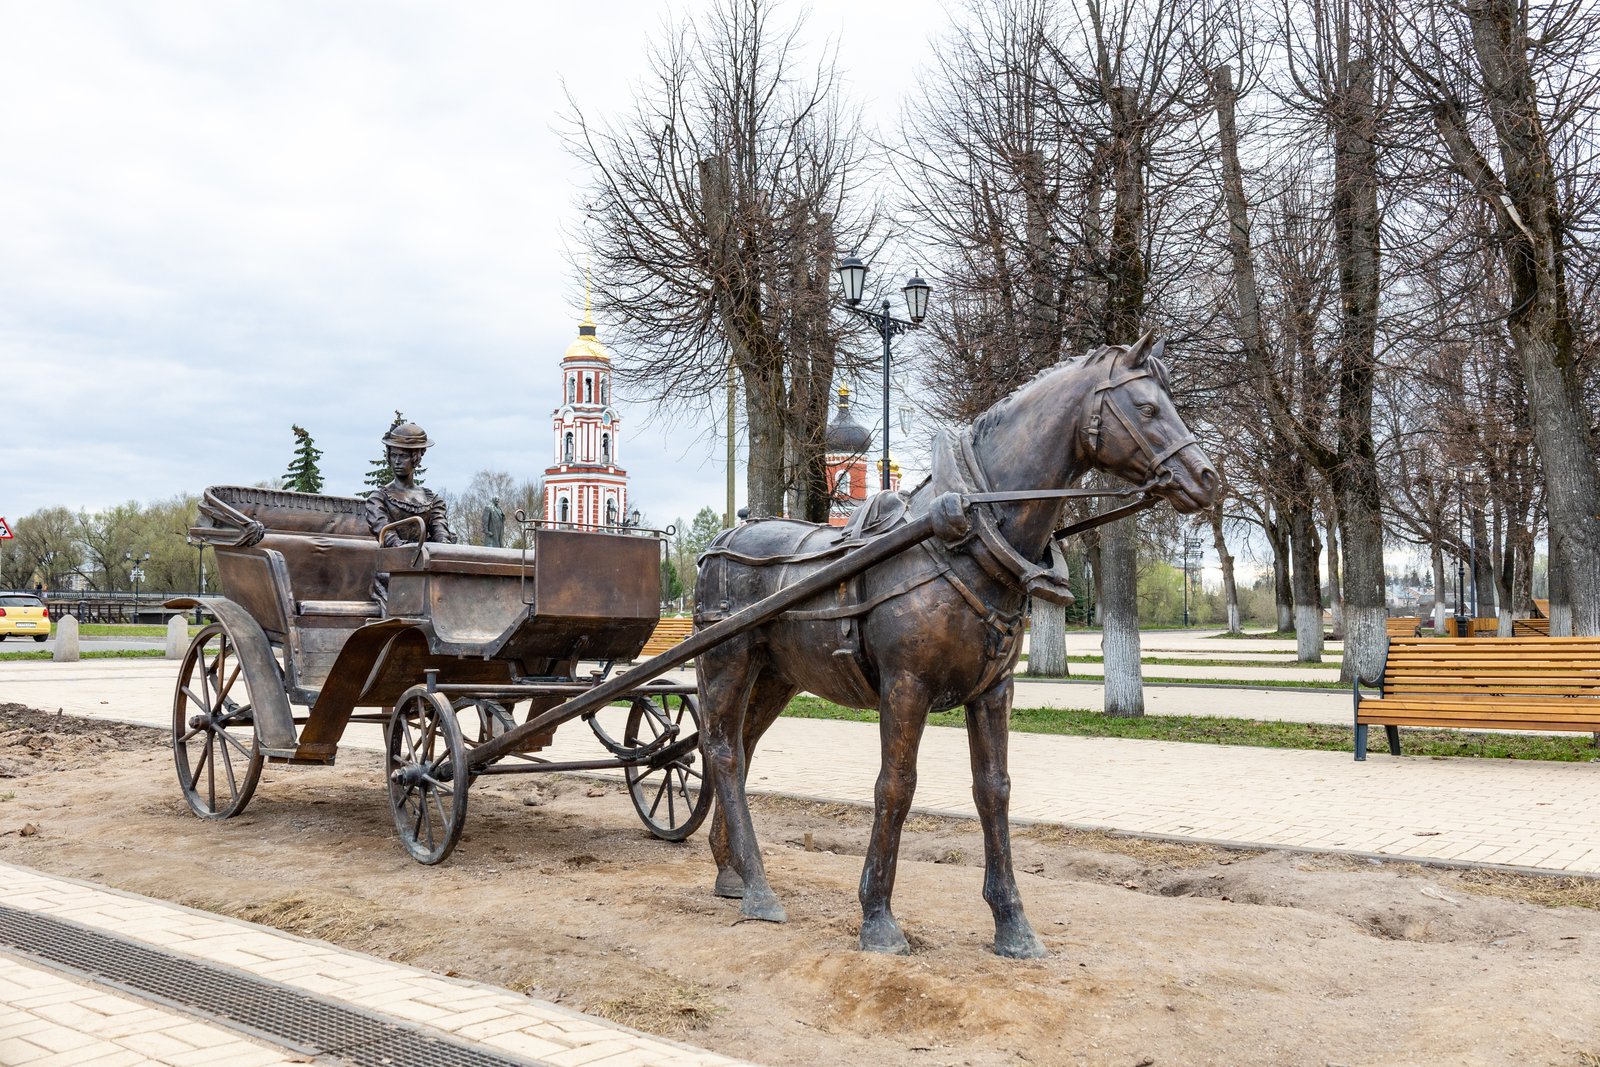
[(1140, 351)]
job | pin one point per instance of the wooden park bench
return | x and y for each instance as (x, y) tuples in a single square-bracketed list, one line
[(1493, 683), (1403, 625), (668, 632)]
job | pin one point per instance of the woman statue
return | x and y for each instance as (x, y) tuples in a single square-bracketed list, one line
[(402, 498)]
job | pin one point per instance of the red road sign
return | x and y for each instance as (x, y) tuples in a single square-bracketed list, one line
[(5, 531)]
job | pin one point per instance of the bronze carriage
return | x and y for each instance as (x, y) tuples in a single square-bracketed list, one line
[(472, 638)]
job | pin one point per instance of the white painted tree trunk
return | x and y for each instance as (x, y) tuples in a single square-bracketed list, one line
[(1047, 640), (1119, 637)]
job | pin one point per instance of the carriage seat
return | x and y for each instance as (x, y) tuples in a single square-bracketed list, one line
[(329, 555)]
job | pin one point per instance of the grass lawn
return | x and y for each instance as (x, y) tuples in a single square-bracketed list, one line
[(125, 653), (1214, 730), (124, 629), (1178, 661)]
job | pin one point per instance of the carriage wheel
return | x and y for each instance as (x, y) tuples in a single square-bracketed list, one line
[(427, 774), (213, 730), (671, 799), (481, 719)]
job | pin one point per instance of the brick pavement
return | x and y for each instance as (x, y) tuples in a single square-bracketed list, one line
[(1505, 812), (47, 1020)]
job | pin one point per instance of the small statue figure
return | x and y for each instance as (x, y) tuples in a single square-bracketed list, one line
[(403, 498), (494, 524)]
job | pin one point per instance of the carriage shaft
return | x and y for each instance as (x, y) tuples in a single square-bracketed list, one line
[(628, 682)]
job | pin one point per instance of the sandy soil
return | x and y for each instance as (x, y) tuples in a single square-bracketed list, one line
[(1160, 953)]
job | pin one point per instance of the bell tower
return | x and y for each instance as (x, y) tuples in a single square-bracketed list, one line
[(586, 485)]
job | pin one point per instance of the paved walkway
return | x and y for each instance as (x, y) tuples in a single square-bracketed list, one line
[(1524, 814), (51, 1019), (1535, 816)]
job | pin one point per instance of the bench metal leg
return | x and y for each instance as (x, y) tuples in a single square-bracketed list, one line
[(1361, 741), (1394, 739)]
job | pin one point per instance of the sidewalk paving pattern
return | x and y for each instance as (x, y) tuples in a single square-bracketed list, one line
[(1525, 815), (47, 1020)]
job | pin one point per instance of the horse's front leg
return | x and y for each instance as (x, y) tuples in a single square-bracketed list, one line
[(902, 714), (726, 679), (988, 724)]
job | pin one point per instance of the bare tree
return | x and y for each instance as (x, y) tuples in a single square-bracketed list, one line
[(1517, 76), (716, 211)]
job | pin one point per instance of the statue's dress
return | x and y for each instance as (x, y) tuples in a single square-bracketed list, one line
[(393, 502)]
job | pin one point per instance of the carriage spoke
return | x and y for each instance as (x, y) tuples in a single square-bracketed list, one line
[(211, 771), (237, 744), (227, 766), (660, 792), (438, 802), (222, 696)]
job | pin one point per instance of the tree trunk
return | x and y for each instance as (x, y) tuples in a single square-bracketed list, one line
[(1527, 204), (1047, 640), (1483, 591), (1441, 609), (1307, 546), (1560, 603), (765, 468), (1282, 585), (1335, 586), (1355, 474), (1230, 589), (1119, 609)]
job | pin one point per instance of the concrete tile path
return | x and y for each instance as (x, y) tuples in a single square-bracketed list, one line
[(1521, 814), (49, 1020)]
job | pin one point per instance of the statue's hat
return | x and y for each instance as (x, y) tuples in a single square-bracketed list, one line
[(407, 435)]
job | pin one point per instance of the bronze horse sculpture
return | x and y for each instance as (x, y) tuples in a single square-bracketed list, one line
[(933, 628)]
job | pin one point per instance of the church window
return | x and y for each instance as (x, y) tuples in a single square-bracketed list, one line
[(588, 389), (602, 390), (611, 512), (565, 510), (605, 449), (841, 485), (567, 451), (572, 388)]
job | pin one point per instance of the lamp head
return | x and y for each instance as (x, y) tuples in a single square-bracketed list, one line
[(916, 291), (853, 277)]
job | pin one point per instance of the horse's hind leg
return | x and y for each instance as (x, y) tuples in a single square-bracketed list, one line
[(727, 678), (769, 696), (988, 720), (902, 714)]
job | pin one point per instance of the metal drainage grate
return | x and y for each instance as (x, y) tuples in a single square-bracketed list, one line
[(302, 1022)]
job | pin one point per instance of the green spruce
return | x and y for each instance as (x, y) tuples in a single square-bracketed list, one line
[(303, 475)]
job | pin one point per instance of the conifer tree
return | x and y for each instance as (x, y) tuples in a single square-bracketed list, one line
[(303, 476)]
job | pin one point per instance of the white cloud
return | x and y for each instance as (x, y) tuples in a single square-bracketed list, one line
[(222, 218)]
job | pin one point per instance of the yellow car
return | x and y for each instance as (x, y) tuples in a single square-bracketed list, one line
[(25, 615)]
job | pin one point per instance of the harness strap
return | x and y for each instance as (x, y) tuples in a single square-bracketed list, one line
[(850, 611)]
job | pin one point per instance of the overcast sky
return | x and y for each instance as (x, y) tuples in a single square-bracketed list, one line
[(223, 218)]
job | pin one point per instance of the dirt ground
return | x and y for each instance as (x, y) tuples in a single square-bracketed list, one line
[(1160, 953)]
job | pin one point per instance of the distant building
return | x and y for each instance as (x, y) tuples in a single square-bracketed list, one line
[(586, 483), (847, 443)]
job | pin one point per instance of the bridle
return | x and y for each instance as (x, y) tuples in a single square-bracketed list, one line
[(1109, 394)]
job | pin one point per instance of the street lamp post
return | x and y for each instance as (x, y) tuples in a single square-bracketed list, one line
[(853, 277), (1195, 545), (135, 576)]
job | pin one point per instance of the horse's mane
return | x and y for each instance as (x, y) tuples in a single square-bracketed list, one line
[(984, 423)]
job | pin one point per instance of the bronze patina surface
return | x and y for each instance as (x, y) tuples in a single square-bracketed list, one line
[(389, 506), (935, 627)]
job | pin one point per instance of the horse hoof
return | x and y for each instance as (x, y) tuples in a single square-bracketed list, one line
[(885, 938), (765, 907), (1023, 946), (729, 884)]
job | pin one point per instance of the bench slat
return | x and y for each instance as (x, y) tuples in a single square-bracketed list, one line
[(1491, 683)]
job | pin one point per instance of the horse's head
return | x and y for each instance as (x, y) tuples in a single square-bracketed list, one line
[(1132, 429)]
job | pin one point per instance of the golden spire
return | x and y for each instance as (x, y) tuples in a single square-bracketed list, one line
[(588, 318)]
